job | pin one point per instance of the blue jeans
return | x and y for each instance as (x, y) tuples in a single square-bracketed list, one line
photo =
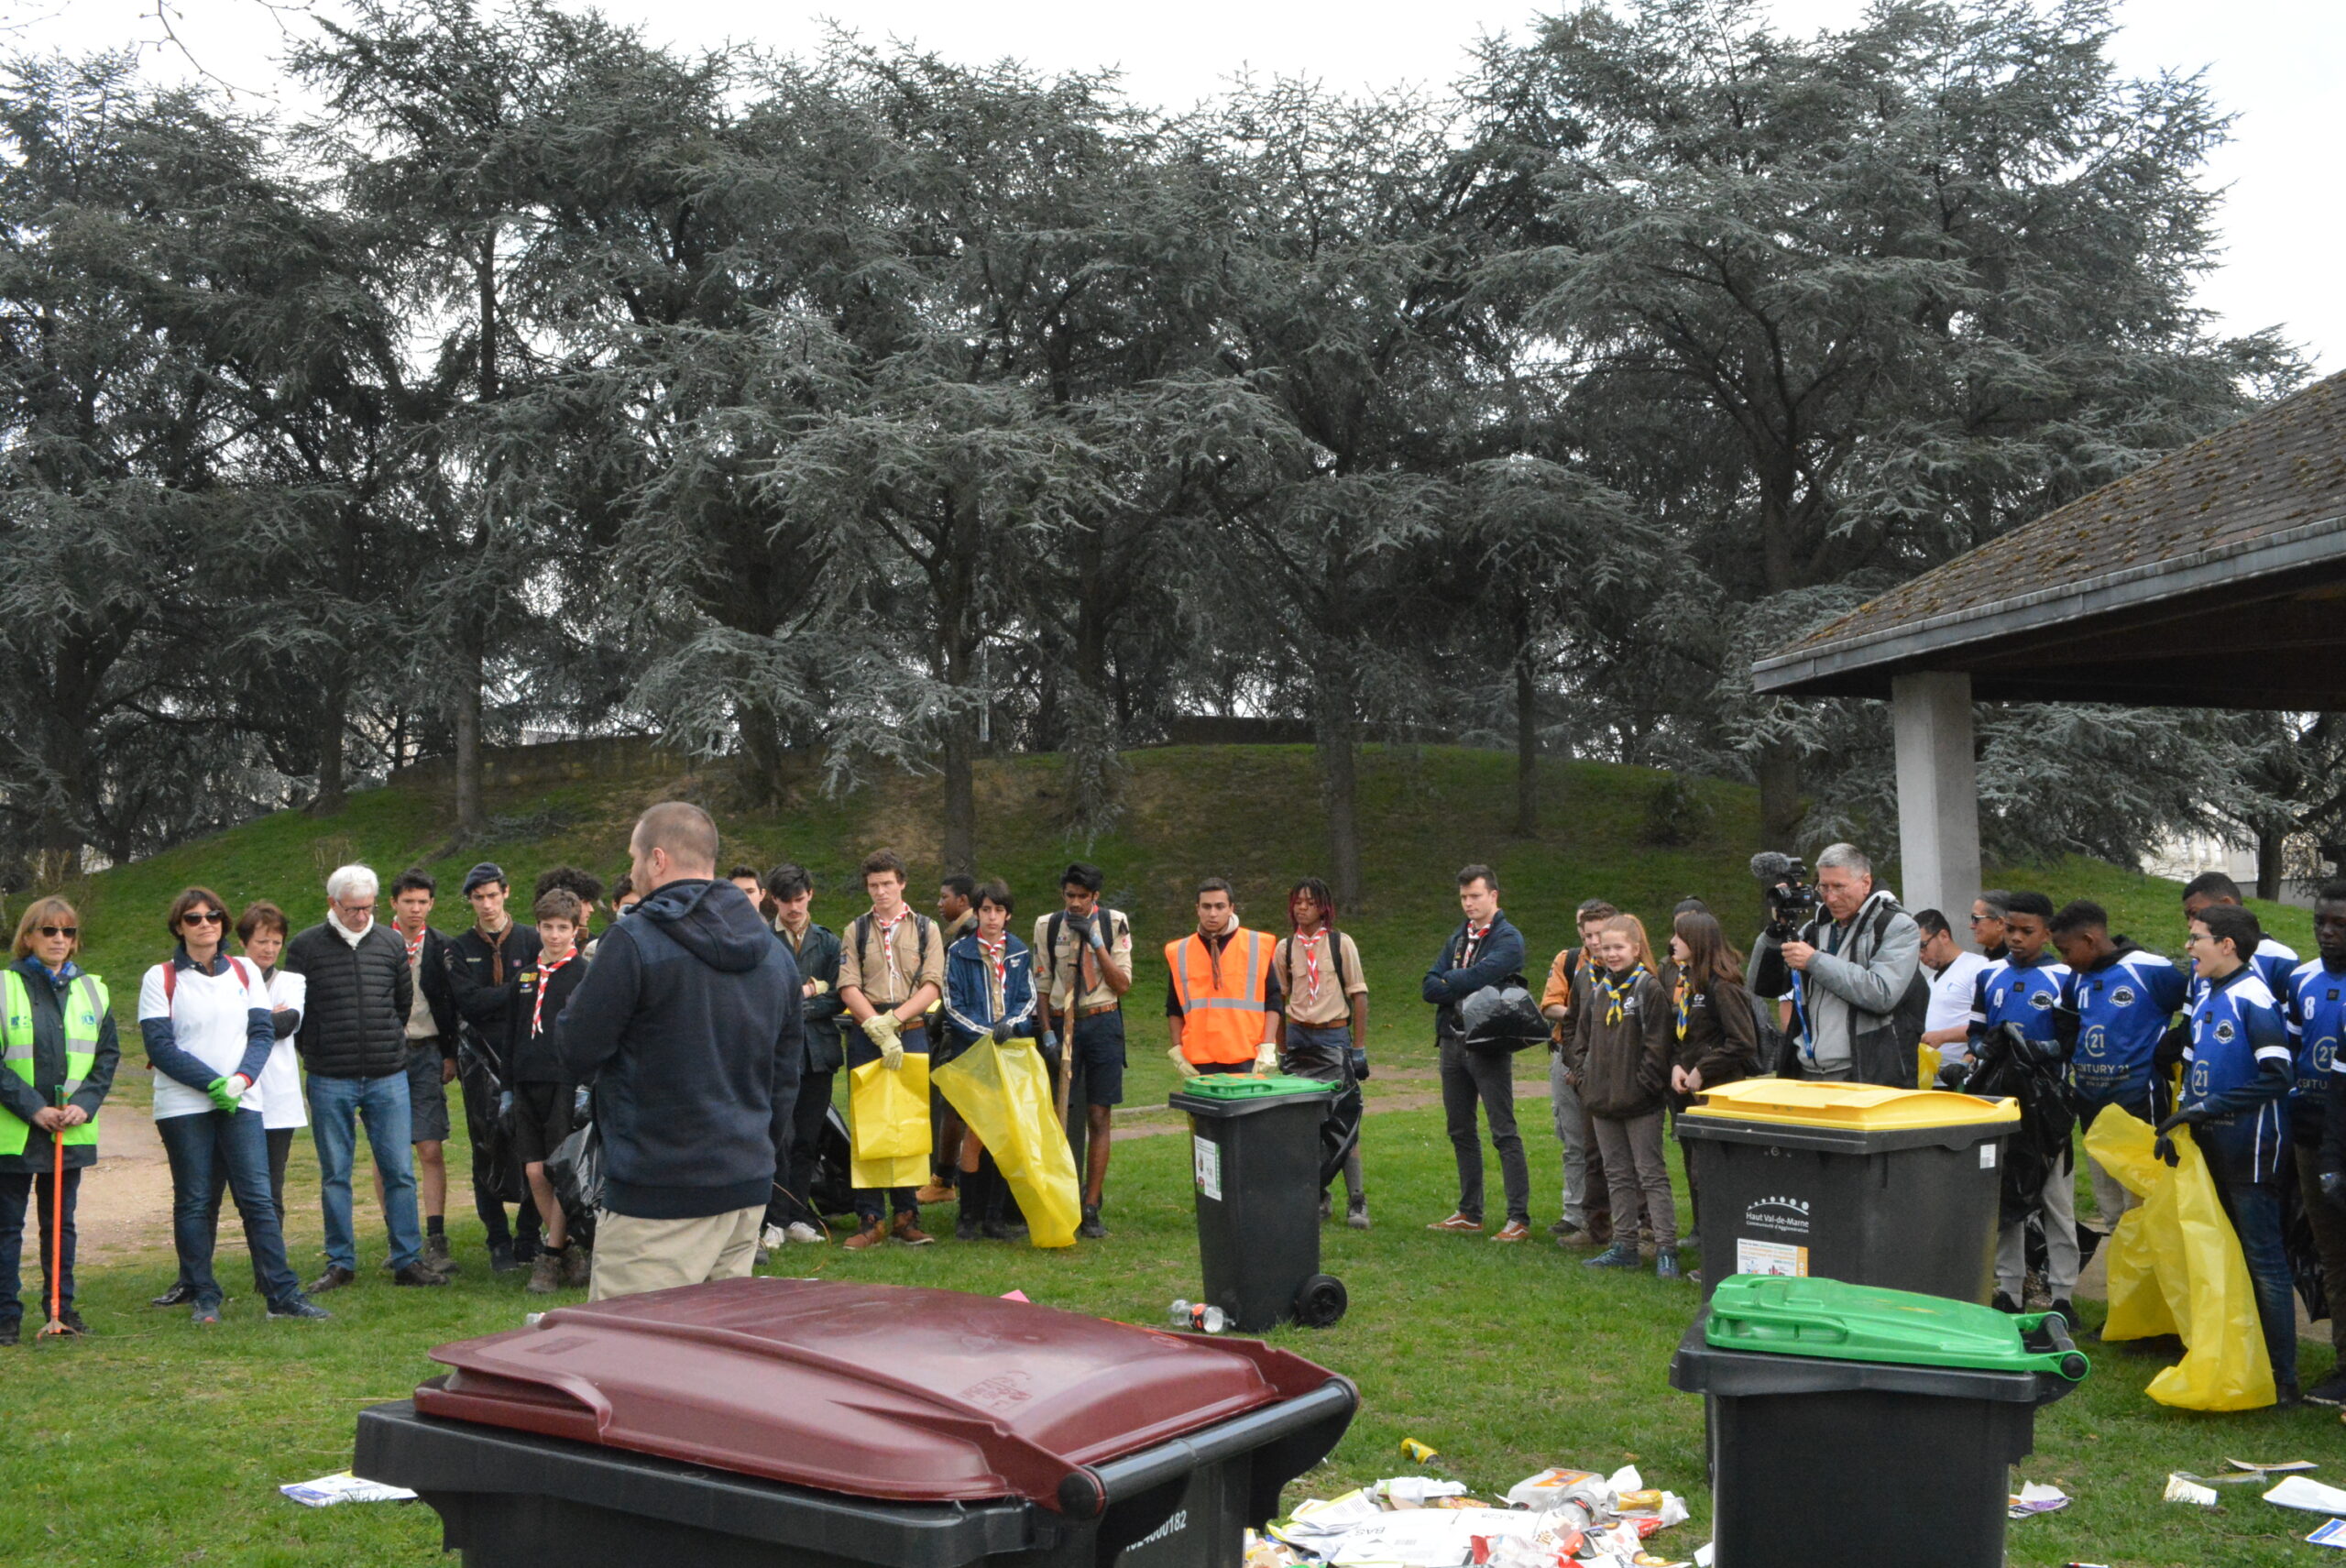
[(2255, 1210), (336, 1106), (16, 1191), (203, 1149)]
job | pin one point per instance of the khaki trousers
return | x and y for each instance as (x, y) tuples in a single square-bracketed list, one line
[(634, 1255)]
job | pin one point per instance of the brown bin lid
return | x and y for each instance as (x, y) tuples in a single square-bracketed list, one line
[(877, 1390)]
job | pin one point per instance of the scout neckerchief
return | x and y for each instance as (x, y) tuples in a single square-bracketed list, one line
[(887, 929), (413, 948), (546, 969), (1310, 941), (1617, 993), (996, 954), (1474, 935), (496, 951), (1678, 998)]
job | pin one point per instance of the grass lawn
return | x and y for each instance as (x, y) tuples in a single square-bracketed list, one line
[(157, 1443)]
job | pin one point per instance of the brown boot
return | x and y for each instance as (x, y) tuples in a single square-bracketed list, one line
[(869, 1235), (907, 1230), (578, 1266), (435, 1254), (545, 1273)]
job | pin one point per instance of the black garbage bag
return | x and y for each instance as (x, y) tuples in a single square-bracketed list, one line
[(482, 1085), (1340, 1133), (2009, 1065), (833, 1193), (1502, 1018), (2296, 1240), (576, 1171)]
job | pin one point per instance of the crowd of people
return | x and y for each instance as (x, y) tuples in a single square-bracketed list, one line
[(703, 1032)]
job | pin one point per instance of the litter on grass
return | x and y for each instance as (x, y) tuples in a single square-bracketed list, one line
[(2284, 1468), (2332, 1533), (2303, 1492), (342, 1487), (2036, 1498), (2182, 1488), (1558, 1519)]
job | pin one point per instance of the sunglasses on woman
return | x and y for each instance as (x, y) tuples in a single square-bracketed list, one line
[(73, 932), (204, 918)]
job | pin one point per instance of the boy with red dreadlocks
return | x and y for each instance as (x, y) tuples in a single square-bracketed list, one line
[(1325, 1021)]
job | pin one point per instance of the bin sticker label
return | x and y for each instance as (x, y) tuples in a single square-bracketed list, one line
[(1785, 1216), (1209, 1161), (1987, 1157), (1771, 1258)]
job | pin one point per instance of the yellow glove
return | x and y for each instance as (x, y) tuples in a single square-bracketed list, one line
[(1180, 1061), (1266, 1060), (822, 987), (891, 1054), (882, 1029)]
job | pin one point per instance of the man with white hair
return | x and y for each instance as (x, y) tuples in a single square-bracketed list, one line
[(353, 1041), (1851, 973)]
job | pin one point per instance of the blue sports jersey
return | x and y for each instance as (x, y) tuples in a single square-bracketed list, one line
[(2236, 1027), (2007, 993), (2123, 1005), (2274, 963), (2316, 1017)]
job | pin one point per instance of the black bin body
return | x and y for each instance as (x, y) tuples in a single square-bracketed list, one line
[(1821, 1463), (1255, 1165), (1911, 1209)]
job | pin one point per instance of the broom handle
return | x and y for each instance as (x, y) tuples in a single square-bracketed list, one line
[(57, 1221)]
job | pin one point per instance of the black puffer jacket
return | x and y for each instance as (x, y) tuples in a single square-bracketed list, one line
[(355, 1023)]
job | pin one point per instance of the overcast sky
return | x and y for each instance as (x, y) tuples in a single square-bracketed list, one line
[(2274, 64)]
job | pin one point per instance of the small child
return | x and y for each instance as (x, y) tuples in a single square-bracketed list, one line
[(542, 1094), (1621, 1059)]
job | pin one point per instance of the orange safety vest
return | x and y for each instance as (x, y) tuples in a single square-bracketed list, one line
[(1221, 999)]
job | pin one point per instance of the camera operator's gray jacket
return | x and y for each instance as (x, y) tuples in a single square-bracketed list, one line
[(1856, 1000)]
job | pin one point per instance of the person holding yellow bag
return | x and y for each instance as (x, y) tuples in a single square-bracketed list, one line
[(892, 971)]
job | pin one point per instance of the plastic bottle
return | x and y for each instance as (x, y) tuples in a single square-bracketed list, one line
[(1199, 1317)]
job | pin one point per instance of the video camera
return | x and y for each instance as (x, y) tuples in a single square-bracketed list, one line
[(1791, 897)]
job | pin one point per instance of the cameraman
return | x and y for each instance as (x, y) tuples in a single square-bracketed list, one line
[(1851, 971)]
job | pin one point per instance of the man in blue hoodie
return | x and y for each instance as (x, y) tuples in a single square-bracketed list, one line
[(688, 1025)]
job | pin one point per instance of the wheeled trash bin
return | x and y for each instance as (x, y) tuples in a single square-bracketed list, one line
[(1256, 1148), (1849, 1427), (754, 1423), (1891, 1187)]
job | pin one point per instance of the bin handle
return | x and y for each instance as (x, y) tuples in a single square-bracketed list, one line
[(1090, 1489), (2070, 1363)]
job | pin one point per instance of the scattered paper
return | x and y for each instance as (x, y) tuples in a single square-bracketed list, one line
[(2330, 1534), (342, 1487), (2297, 1492), (2037, 1499), (2183, 1489), (2281, 1469), (1013, 1294), (1416, 1491), (1703, 1555)]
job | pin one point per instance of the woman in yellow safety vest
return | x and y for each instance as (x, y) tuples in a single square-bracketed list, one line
[(58, 1055)]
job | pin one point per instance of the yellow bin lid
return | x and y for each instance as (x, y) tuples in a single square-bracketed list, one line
[(1857, 1107)]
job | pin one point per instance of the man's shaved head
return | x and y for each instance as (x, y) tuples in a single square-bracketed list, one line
[(684, 831)]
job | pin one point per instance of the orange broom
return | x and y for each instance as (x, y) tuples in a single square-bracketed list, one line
[(56, 1325)]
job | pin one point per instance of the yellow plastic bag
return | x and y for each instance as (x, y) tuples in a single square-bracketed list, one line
[(887, 1118), (1004, 1092), (1926, 1066), (2175, 1267)]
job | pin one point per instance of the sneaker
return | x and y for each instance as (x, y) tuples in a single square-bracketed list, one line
[(2285, 1397), (935, 1192), (525, 1249), (2003, 1303), (773, 1237), (72, 1319), (416, 1274), (501, 1259), (800, 1231), (1356, 1214), (1563, 1228), (870, 1235), (1690, 1242), (435, 1254), (334, 1278), (1458, 1222), (1575, 1239), (545, 1273), (179, 1294), (578, 1266), (1620, 1254), (906, 1229), (2330, 1390), (1513, 1231), (206, 1314), (300, 1308), (994, 1230), (966, 1225), (2063, 1310), (1327, 1208), (1665, 1263), (1091, 1229), (11, 1333)]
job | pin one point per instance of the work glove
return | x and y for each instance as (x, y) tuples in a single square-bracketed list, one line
[(2333, 1186), (1266, 1060), (882, 1028), (820, 987), (2163, 1145), (1000, 1033), (505, 1107), (224, 1094), (1180, 1061), (582, 1104)]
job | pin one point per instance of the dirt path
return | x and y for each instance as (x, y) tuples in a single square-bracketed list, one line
[(125, 1202)]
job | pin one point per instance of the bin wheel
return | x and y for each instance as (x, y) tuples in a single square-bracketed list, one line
[(1321, 1301)]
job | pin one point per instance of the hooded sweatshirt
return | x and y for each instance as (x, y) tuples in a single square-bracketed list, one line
[(689, 1026)]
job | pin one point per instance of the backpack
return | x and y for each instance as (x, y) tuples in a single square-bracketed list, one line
[(171, 980)]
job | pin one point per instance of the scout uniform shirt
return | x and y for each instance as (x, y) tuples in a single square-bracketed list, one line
[(1071, 955), (1319, 974), (889, 964)]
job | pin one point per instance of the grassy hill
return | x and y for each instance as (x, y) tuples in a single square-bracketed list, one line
[(1250, 814)]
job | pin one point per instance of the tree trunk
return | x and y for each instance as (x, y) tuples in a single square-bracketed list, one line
[(1339, 780), (2269, 844), (1526, 731), (761, 754), (955, 585), (333, 724), (1780, 805), (470, 820)]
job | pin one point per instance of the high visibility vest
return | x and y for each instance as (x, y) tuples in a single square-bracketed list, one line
[(85, 1014), (1222, 1002)]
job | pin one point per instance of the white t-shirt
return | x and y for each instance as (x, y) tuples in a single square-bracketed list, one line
[(281, 1105), (210, 1015), (1951, 1002)]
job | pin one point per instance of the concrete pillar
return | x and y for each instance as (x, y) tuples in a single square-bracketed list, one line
[(1938, 794)]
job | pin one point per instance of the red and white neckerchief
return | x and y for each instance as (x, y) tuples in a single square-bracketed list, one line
[(997, 956), (888, 944), (414, 946), (1310, 941), (1474, 935), (546, 971)]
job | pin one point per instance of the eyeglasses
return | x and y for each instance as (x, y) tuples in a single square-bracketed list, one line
[(204, 918), (73, 932), (1985, 919)]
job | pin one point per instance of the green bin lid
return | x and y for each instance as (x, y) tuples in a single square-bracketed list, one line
[(1840, 1321), (1228, 1086)]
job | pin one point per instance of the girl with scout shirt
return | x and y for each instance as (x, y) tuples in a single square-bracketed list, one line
[(1621, 1058), (58, 1056)]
